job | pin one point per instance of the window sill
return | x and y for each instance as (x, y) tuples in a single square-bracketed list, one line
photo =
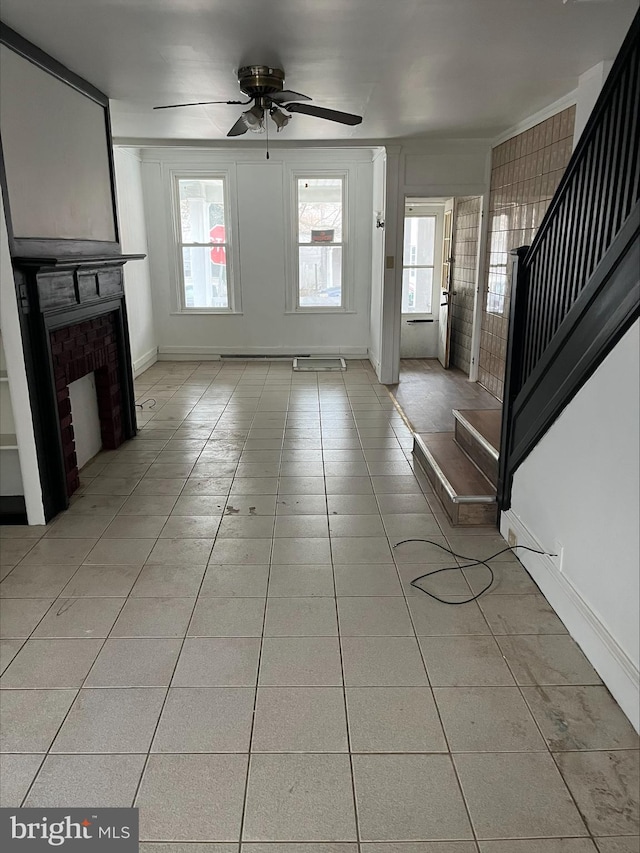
[(196, 312), (320, 311)]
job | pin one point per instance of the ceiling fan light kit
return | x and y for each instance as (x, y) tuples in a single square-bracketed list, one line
[(265, 87), (254, 119)]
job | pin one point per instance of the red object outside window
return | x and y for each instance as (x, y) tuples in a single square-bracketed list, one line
[(218, 253)]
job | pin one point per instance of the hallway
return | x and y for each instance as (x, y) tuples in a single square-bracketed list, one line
[(221, 632)]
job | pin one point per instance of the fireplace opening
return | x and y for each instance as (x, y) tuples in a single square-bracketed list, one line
[(78, 350), (85, 418)]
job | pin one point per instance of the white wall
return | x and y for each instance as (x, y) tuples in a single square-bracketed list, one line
[(261, 230), (577, 493), (56, 158), (137, 275), (589, 87), (18, 388)]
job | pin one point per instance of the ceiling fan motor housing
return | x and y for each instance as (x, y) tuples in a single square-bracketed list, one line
[(259, 80)]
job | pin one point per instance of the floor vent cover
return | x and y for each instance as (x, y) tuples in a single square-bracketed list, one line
[(307, 363)]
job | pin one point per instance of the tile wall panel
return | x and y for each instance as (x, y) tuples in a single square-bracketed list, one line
[(525, 171), (466, 234)]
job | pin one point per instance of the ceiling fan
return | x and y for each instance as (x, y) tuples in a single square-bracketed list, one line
[(265, 89)]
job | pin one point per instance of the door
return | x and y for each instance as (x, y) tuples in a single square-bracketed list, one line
[(421, 270), (444, 319)]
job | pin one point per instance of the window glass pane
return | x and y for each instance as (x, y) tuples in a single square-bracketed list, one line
[(320, 276), (205, 281), (202, 210), (419, 240), (320, 210), (417, 287)]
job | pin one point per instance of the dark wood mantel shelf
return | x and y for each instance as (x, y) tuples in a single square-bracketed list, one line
[(70, 262)]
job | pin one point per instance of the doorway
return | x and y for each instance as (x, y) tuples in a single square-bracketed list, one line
[(422, 258)]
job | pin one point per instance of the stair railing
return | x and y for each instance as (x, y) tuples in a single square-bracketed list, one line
[(575, 289)]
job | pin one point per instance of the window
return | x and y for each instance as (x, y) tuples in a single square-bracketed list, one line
[(319, 205), (498, 259), (204, 248), (418, 263)]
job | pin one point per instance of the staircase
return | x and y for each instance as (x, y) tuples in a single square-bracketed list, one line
[(462, 466)]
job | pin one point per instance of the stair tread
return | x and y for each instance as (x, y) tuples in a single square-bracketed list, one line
[(462, 475), (488, 422)]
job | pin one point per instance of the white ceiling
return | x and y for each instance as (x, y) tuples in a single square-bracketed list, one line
[(411, 67)]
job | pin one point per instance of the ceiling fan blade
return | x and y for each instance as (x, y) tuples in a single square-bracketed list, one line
[(323, 112), (199, 104), (238, 128), (287, 95)]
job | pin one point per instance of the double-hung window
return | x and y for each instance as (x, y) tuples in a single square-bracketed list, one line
[(320, 241), (205, 258)]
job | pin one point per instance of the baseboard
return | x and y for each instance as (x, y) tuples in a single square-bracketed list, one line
[(214, 353), (145, 361), (608, 658)]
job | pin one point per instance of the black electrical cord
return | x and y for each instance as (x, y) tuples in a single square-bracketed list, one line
[(148, 400), (471, 565)]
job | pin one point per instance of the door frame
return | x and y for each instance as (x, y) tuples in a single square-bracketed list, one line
[(481, 286), (431, 207), (446, 284)]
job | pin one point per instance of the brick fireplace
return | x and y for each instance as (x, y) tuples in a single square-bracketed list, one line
[(77, 350), (74, 324)]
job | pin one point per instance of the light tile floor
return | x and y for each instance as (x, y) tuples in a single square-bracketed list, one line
[(220, 631)]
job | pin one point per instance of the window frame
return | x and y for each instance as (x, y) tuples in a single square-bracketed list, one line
[(347, 273), (437, 211), (234, 296)]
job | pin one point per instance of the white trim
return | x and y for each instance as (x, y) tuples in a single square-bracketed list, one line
[(481, 280), (209, 353), (608, 658), (140, 364), (568, 100), (18, 386)]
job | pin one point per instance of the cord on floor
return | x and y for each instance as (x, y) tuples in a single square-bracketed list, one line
[(473, 564)]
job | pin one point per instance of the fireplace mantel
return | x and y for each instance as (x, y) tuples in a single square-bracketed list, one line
[(84, 293)]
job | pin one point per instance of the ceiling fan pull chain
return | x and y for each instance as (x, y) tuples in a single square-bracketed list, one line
[(266, 124)]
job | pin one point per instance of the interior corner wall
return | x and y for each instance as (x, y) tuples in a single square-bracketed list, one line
[(137, 275), (577, 495), (261, 196)]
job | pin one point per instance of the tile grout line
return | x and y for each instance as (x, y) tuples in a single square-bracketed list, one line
[(245, 797), (344, 682)]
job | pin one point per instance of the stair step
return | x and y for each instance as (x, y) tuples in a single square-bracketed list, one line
[(467, 495), (477, 431)]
